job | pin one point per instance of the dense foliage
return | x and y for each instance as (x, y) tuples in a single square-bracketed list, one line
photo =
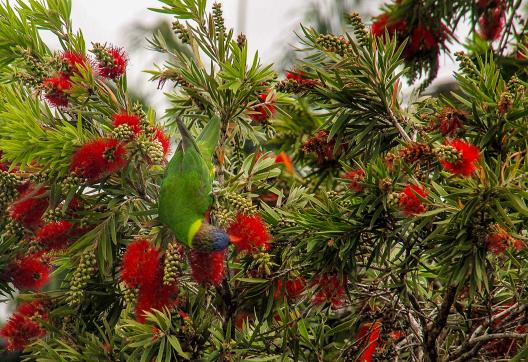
[(363, 226)]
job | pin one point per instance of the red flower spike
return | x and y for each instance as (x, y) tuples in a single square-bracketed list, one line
[(21, 330), (29, 273), (131, 120), (155, 295), (491, 23), (141, 264), (249, 233), (499, 240), (116, 66), (410, 203), (292, 288), (329, 288), (469, 154), (74, 61), (29, 206), (55, 235), (368, 338), (162, 138), (356, 177), (422, 40), (286, 161), (55, 90), (98, 158), (383, 22), (321, 147), (207, 267), (262, 112)]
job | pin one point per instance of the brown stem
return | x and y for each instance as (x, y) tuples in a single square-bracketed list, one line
[(433, 330)]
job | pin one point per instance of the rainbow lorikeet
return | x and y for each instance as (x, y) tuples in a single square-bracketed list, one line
[(185, 193)]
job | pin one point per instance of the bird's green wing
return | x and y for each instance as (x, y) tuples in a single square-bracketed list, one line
[(185, 193)]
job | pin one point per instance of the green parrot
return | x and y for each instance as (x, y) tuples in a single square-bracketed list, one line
[(185, 193)]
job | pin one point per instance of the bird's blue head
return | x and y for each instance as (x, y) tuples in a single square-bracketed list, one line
[(220, 240)]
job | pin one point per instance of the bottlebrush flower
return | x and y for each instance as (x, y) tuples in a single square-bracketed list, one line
[(356, 178), (55, 89), (162, 138), (29, 206), (421, 40), (499, 240), (98, 158), (111, 62), (29, 273), (155, 295), (450, 121), (286, 161), (409, 202), (300, 78), (367, 339), (207, 267), (131, 120), (141, 263), (330, 288), (392, 26), (491, 21), (292, 288), (249, 233), (468, 155), (262, 111), (74, 61), (22, 328), (55, 235), (320, 146), (415, 151)]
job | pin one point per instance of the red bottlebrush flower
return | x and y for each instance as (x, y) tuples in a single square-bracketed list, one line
[(286, 161), (383, 22), (321, 147), (491, 23), (207, 267), (421, 40), (378, 26), (450, 121), (396, 335), (292, 288), (415, 151), (141, 264), (468, 156), (55, 89), (155, 295), (356, 177), (29, 206), (410, 203), (262, 112), (249, 233), (111, 63), (74, 61), (55, 235), (368, 338), (162, 138), (29, 273), (499, 240), (131, 120), (329, 288), (98, 158), (22, 328), (296, 75)]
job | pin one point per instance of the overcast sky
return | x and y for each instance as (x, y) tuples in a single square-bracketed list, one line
[(269, 26)]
